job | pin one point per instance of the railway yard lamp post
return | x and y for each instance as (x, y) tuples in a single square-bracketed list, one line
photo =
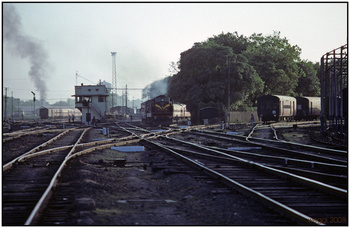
[(34, 103), (228, 90)]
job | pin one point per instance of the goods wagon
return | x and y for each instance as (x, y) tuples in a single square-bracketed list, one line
[(276, 108), (308, 108), (58, 113)]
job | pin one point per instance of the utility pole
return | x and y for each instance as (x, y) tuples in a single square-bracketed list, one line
[(228, 91), (126, 99), (34, 103), (12, 105), (5, 101)]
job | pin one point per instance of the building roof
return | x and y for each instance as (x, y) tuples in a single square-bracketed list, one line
[(90, 90)]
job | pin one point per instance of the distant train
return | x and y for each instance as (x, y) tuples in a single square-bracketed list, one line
[(58, 113), (162, 110), (308, 108), (286, 108)]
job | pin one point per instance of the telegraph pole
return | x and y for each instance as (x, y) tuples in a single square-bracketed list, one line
[(126, 99), (34, 103), (12, 105), (5, 101), (228, 92)]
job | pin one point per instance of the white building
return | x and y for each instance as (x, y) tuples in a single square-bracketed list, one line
[(91, 100)]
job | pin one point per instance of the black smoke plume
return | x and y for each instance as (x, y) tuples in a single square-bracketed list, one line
[(26, 47)]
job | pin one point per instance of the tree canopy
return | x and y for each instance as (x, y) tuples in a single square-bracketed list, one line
[(249, 66), (275, 60)]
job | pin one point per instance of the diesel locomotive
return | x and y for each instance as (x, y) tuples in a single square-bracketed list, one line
[(162, 110)]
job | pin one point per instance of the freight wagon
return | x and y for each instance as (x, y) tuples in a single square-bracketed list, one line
[(308, 108), (276, 108)]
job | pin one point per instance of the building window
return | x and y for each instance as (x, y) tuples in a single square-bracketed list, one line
[(78, 99), (100, 98)]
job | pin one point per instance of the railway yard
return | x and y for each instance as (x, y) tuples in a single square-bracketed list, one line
[(125, 173)]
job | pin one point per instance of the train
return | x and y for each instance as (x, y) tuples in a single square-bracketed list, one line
[(58, 113), (308, 108), (287, 108), (162, 110)]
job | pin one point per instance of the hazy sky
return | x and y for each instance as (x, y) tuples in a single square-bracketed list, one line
[(79, 37)]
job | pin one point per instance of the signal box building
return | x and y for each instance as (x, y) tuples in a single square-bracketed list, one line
[(91, 100)]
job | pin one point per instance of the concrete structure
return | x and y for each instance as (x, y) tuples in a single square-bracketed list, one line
[(91, 101)]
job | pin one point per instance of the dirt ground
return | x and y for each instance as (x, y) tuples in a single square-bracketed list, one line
[(149, 190)]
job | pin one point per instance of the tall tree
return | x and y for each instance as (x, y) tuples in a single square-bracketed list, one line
[(206, 70), (308, 83), (275, 60)]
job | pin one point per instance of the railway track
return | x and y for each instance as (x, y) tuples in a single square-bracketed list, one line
[(305, 199), (294, 195), (283, 191), (29, 179), (330, 171), (25, 183)]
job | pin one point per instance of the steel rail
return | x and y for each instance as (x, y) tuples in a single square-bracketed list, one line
[(21, 134), (101, 147), (313, 183), (26, 131), (305, 146), (229, 159), (313, 156), (53, 182), (22, 131), (274, 132), (242, 188), (312, 164), (56, 149), (323, 149), (10, 164)]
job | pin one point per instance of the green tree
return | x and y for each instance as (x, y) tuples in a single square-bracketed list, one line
[(205, 72), (250, 67), (237, 43), (275, 60), (308, 83)]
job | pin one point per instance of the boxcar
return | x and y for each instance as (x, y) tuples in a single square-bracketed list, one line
[(308, 108), (276, 108)]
